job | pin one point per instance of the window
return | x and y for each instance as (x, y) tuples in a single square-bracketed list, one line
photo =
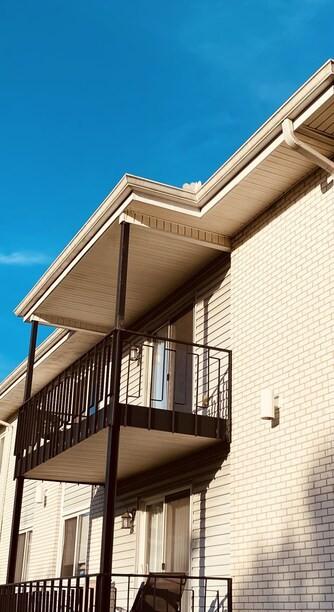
[(74, 559), (22, 557)]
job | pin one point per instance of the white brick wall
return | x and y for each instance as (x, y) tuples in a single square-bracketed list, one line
[(282, 338)]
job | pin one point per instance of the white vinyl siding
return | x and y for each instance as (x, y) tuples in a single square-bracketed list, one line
[(8, 497), (28, 504), (211, 523), (46, 526), (76, 498)]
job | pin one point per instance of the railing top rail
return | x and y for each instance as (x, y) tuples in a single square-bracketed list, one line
[(209, 347), (68, 579), (170, 575), (128, 333)]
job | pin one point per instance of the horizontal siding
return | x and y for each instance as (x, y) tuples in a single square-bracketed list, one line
[(213, 312), (45, 535), (124, 554), (76, 498), (211, 502), (28, 505), (8, 499)]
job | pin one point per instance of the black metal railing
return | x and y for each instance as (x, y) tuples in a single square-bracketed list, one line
[(71, 407), (156, 373), (179, 376), (77, 594), (85, 594)]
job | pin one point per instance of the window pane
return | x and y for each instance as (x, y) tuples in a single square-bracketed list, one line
[(69, 547), (177, 544), (82, 545), (154, 537), (26, 555), (20, 558)]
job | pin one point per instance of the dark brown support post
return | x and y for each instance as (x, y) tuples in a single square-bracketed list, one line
[(114, 427), (229, 595), (122, 275), (14, 537), (229, 401)]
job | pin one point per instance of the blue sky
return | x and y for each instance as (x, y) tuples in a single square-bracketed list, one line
[(167, 90)]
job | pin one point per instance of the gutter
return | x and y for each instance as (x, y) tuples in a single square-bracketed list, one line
[(304, 149)]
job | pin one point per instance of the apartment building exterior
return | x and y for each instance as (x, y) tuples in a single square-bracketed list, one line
[(179, 421)]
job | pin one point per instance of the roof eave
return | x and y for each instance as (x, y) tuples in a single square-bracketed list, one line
[(268, 131), (128, 186), (131, 185), (42, 352)]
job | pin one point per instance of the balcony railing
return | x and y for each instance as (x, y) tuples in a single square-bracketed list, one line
[(84, 594), (157, 373)]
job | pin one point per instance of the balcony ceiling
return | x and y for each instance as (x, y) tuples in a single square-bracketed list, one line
[(140, 450), (158, 264)]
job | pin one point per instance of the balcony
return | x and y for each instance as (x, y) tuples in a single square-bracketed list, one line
[(175, 399), (129, 593)]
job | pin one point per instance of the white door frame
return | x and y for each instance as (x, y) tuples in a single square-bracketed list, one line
[(170, 356), (142, 525)]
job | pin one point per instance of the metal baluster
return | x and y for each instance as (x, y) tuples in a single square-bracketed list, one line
[(97, 388), (128, 595)]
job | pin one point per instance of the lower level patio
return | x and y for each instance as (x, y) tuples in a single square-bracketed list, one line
[(160, 592)]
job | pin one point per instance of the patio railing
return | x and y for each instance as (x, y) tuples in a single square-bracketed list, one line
[(84, 594)]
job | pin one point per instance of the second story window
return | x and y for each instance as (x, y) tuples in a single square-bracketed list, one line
[(23, 554), (74, 557)]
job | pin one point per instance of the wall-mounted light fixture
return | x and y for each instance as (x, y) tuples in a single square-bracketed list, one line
[(128, 520), (267, 404), (134, 353), (41, 494)]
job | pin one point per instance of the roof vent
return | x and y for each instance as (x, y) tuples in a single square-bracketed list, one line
[(192, 187)]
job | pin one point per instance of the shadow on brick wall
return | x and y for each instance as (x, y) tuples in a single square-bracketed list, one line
[(298, 572)]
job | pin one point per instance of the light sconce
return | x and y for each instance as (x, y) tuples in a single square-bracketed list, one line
[(267, 404), (134, 353), (41, 495), (128, 520)]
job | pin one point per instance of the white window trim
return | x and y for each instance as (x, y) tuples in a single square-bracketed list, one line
[(141, 520), (77, 514), (26, 552)]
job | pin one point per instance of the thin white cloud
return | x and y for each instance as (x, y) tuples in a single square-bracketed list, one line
[(23, 258)]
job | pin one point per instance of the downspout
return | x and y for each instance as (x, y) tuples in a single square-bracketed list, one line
[(305, 149), (7, 450)]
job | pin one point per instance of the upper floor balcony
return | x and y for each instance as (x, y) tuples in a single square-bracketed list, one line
[(174, 399)]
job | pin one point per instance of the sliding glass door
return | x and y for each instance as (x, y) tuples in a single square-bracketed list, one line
[(167, 534)]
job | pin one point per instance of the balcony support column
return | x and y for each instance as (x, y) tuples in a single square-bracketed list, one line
[(17, 506), (113, 428)]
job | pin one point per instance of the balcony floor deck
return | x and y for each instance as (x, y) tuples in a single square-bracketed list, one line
[(140, 450)]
